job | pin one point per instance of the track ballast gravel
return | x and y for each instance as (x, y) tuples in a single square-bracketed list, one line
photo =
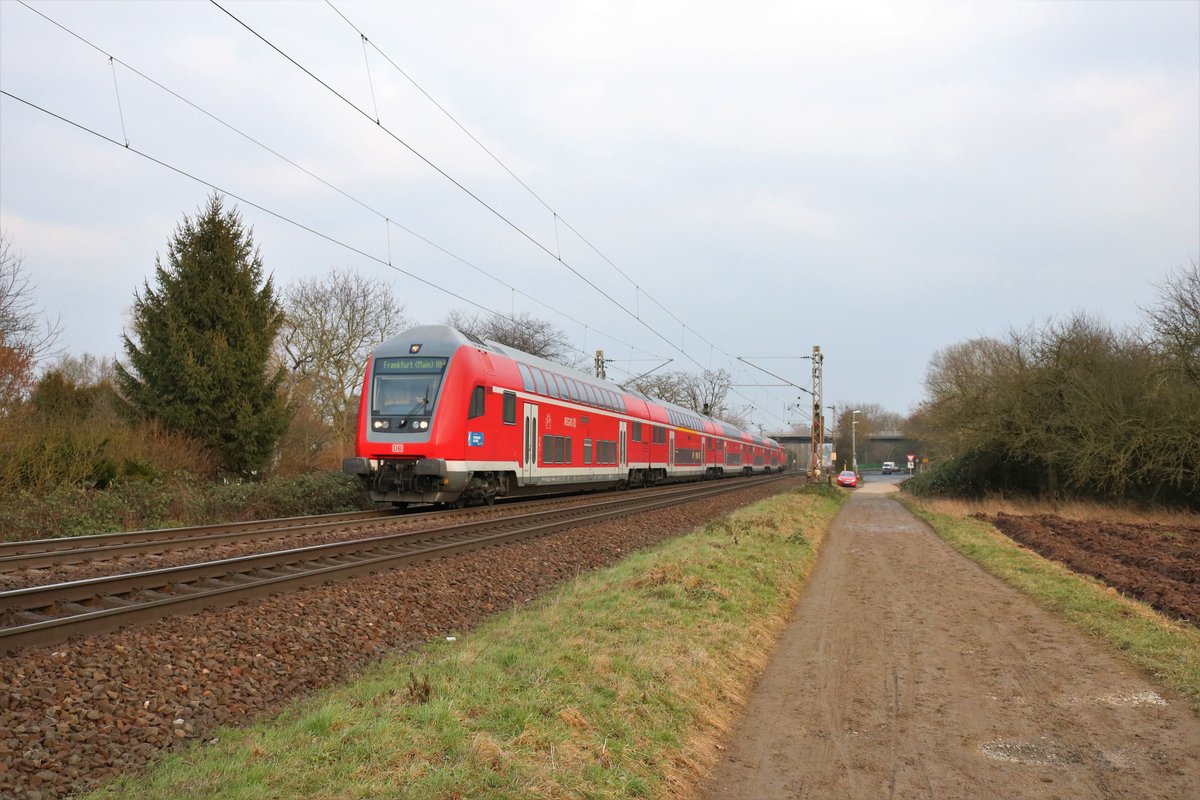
[(74, 715)]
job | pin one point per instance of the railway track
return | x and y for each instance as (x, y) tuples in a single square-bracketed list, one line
[(43, 615), (41, 553)]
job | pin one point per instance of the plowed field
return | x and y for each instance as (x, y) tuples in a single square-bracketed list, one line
[(1156, 564)]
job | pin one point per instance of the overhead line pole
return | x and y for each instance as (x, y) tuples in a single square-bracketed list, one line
[(818, 420)]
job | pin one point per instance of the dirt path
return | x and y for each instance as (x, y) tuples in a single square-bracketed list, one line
[(908, 672)]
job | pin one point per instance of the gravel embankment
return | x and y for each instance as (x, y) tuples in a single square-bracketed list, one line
[(74, 715)]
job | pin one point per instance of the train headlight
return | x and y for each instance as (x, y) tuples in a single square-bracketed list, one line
[(380, 424), (423, 424)]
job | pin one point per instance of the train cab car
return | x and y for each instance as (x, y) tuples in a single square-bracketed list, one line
[(447, 418)]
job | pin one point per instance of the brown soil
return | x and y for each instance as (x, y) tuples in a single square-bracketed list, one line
[(908, 672), (1157, 564)]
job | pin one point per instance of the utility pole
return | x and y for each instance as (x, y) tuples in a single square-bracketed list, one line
[(600, 365), (854, 441), (818, 421)]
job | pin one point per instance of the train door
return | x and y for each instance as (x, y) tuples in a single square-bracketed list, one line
[(529, 466), (621, 455)]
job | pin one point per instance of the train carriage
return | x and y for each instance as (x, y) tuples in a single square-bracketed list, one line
[(448, 418)]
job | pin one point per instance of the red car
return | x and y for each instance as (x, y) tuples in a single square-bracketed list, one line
[(847, 478)]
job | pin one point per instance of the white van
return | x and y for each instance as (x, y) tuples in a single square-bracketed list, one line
[(889, 467)]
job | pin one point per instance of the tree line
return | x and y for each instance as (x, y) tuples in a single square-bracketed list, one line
[(1073, 408), (224, 374)]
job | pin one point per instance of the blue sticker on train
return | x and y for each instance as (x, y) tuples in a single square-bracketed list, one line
[(474, 439)]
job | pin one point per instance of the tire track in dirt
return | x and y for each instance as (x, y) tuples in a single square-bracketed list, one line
[(908, 672)]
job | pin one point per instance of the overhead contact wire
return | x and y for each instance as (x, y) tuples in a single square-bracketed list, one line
[(387, 221), (453, 180), (557, 217)]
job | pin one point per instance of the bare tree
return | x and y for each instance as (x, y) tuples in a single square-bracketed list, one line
[(331, 326), (1175, 322), (708, 392), (523, 332), (704, 393), (26, 336), (673, 387)]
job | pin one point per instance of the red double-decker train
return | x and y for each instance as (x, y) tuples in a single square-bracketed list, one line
[(449, 418)]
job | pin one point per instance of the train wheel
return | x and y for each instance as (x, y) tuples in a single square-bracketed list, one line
[(490, 500)]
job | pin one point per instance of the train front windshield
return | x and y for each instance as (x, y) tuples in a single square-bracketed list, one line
[(406, 386)]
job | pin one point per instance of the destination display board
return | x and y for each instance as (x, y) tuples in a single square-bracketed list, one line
[(408, 364)]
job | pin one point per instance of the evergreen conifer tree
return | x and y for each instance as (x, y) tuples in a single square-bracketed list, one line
[(199, 357)]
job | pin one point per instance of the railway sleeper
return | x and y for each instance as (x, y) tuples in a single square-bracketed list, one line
[(13, 619), (110, 601), (69, 609)]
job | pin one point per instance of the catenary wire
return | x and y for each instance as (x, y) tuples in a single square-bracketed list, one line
[(457, 183), (388, 220), (558, 217), (264, 209)]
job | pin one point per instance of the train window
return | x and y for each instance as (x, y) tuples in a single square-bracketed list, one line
[(587, 451), (547, 449), (526, 377), (573, 388), (477, 403), (636, 433), (510, 408), (559, 449), (539, 380), (551, 384), (591, 394), (569, 451), (608, 402)]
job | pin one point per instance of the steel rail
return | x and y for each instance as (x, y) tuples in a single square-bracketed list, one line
[(73, 549), (215, 584), (65, 550)]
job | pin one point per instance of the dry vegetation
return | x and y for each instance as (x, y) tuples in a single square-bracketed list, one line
[(1077, 510), (1072, 409)]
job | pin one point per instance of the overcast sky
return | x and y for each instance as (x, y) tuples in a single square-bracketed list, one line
[(882, 180)]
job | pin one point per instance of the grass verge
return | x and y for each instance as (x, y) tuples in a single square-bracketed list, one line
[(1168, 649), (619, 684)]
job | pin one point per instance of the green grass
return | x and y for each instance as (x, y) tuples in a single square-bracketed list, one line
[(619, 684), (1167, 649)]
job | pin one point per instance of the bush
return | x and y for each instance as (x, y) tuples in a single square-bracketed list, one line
[(179, 500)]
